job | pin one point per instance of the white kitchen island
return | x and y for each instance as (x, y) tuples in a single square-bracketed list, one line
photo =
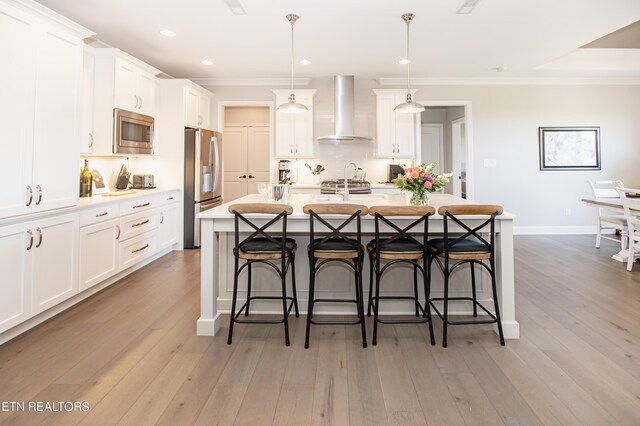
[(337, 281)]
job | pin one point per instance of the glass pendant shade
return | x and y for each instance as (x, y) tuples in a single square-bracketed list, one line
[(408, 107), (292, 107)]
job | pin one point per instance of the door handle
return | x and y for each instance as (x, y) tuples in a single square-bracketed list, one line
[(90, 140), (144, 222), (140, 107), (29, 195), (30, 233), (141, 205), (135, 100), (118, 228), (161, 217), (39, 231), (251, 177), (140, 249), (243, 177), (39, 194)]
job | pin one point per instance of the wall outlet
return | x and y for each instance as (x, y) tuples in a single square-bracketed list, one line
[(567, 211), (490, 163)]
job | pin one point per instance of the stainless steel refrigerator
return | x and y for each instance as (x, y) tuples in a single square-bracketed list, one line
[(202, 179)]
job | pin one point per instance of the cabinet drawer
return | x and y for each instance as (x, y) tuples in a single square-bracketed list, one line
[(136, 224), (169, 197), (99, 214), (137, 249), (139, 204)]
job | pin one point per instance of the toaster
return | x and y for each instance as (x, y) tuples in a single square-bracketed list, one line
[(143, 181)]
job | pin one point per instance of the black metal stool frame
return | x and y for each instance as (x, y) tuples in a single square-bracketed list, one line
[(447, 271), (286, 262), (315, 264), (374, 260)]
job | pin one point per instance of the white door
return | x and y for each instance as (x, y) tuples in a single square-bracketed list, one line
[(125, 85), (168, 226), (432, 145), (57, 121), (204, 111), (234, 157), (257, 157), (191, 107), (459, 157), (145, 90), (55, 270), (17, 73), (16, 263), (98, 253), (88, 78)]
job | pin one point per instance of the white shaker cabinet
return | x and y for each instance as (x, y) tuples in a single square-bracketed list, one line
[(168, 225), (16, 263), (294, 132), (88, 89), (98, 252), (135, 89), (395, 132), (197, 111), (39, 110), (55, 263)]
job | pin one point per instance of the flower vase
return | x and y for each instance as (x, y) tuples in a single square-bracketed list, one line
[(419, 199)]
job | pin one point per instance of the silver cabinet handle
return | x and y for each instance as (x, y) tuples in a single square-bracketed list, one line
[(141, 205), (29, 195), (144, 222), (39, 231), (161, 217), (39, 189), (291, 148), (102, 214), (140, 105), (199, 119), (135, 100), (118, 228), (170, 198), (90, 140), (30, 239), (140, 249)]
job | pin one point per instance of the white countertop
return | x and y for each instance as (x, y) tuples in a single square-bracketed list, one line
[(317, 186), (297, 201)]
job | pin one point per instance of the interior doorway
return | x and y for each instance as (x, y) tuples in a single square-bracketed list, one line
[(445, 139), (246, 150)]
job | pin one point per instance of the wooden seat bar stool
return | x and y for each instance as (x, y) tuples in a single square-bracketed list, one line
[(335, 246), (400, 248), (469, 248), (263, 247)]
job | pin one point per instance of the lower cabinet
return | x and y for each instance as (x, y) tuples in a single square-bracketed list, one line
[(98, 252), (55, 261), (137, 248), (168, 225), (16, 263)]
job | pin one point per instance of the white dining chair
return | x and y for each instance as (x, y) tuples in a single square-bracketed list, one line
[(607, 220), (632, 215)]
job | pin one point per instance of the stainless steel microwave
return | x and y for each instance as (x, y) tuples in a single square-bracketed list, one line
[(132, 132)]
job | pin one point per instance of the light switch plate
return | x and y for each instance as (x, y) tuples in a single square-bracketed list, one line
[(490, 163)]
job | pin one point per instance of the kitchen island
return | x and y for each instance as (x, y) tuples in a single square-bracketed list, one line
[(336, 280)]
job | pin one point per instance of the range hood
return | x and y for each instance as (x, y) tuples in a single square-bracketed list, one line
[(344, 111)]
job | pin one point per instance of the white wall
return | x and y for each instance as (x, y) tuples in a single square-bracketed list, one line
[(505, 128)]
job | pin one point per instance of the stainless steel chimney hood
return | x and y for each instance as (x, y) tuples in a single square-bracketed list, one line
[(344, 111)]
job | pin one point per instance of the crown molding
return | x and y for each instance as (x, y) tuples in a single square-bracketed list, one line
[(513, 81), (52, 16), (270, 82)]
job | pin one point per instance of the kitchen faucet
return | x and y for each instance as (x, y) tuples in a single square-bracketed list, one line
[(346, 182)]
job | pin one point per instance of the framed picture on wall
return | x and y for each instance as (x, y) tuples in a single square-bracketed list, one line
[(569, 148)]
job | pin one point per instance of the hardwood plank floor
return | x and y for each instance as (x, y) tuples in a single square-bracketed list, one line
[(132, 354)]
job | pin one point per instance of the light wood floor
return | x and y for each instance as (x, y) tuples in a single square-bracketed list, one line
[(131, 352)]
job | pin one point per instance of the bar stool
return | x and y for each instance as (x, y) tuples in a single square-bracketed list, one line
[(335, 246), (464, 250), (397, 249), (262, 247)]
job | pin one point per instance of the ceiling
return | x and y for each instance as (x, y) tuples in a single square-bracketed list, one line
[(365, 38)]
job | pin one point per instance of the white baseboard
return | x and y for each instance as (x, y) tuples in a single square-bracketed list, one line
[(558, 230)]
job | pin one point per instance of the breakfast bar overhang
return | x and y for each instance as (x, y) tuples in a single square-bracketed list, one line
[(217, 263)]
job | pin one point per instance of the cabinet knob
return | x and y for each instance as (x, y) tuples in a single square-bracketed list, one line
[(251, 177), (243, 177)]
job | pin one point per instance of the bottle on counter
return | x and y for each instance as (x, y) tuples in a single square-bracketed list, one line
[(86, 181)]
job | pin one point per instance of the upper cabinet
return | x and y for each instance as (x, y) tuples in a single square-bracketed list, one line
[(88, 87), (396, 133), (125, 83), (197, 107), (39, 110), (294, 132), (135, 88)]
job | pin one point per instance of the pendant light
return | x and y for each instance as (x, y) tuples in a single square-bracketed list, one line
[(408, 107), (292, 107)]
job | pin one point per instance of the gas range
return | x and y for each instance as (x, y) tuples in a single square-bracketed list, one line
[(355, 186)]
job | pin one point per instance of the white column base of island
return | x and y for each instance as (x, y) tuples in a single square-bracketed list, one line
[(336, 281)]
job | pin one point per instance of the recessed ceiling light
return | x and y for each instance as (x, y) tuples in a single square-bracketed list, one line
[(235, 7), (305, 62), (467, 7), (403, 61), (206, 62), (168, 33)]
